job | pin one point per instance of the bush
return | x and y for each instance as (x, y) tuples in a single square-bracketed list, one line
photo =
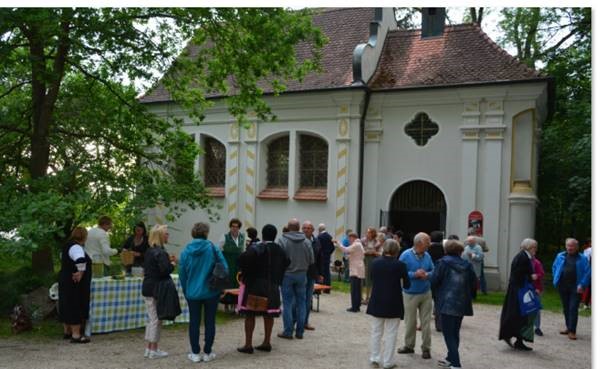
[(16, 282)]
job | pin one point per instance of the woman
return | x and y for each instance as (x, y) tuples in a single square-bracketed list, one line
[(356, 269), (454, 281), (196, 264), (158, 266), (233, 244), (538, 283), (371, 246), (138, 244), (263, 266), (74, 286), (512, 323), (252, 236), (386, 302)]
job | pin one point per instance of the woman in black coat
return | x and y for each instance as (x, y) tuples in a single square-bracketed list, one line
[(512, 323), (386, 302), (138, 244), (74, 286), (454, 284)]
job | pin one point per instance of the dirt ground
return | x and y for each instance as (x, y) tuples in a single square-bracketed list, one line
[(340, 341)]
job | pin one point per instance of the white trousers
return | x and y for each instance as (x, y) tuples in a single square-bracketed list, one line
[(152, 329), (387, 328)]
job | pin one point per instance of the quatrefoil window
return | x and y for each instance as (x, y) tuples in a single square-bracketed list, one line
[(421, 129)]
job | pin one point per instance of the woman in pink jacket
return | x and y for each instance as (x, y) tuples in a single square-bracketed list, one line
[(538, 283), (356, 269)]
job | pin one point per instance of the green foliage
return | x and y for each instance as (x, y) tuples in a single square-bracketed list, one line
[(74, 141)]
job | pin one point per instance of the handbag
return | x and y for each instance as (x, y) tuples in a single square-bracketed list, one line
[(219, 279), (528, 299), (166, 295), (257, 303)]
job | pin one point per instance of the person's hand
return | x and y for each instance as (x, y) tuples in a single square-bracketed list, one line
[(173, 260), (77, 276), (420, 274), (137, 254), (580, 289), (320, 279), (534, 277)]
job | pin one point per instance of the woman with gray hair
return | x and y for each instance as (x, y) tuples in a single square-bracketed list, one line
[(512, 323), (454, 283), (386, 302), (196, 263)]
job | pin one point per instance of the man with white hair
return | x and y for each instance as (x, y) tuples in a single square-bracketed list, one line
[(327, 248), (418, 298), (570, 276)]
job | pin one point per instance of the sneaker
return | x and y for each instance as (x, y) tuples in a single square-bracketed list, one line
[(374, 364), (209, 357), (196, 358), (444, 363), (539, 332), (147, 351), (389, 366), (157, 354)]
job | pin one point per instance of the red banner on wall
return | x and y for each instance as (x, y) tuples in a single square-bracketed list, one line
[(475, 223)]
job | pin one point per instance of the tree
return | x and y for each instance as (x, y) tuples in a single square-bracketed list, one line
[(75, 141), (560, 39)]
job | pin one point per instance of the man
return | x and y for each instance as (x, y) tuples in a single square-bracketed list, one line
[(298, 249), (327, 248), (97, 243), (436, 250), (313, 271), (570, 275), (417, 298)]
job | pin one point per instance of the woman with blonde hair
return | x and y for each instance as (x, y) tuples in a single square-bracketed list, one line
[(158, 266), (74, 286)]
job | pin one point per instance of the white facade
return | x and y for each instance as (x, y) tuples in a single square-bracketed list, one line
[(482, 158)]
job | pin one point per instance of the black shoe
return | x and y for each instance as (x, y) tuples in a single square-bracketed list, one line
[(266, 348), (507, 340), (405, 350), (245, 350), (519, 345), (351, 310), (299, 336), (282, 335), (539, 332), (426, 354)]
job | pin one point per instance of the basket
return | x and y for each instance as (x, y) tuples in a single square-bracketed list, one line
[(127, 257)]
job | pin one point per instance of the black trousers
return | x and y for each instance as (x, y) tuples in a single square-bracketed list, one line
[(355, 293)]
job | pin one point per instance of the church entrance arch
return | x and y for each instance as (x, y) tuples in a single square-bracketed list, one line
[(417, 206)]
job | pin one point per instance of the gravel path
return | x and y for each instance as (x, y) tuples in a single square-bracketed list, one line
[(340, 341)]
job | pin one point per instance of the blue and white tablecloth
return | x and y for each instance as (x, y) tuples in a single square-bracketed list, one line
[(117, 305)]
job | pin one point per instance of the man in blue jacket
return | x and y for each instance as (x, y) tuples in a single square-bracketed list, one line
[(571, 275), (417, 298)]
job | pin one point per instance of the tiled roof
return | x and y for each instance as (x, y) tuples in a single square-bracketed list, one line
[(463, 55), (345, 28)]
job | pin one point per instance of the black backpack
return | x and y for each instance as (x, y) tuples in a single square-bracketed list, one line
[(219, 279)]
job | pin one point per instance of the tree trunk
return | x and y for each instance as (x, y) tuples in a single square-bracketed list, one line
[(42, 261)]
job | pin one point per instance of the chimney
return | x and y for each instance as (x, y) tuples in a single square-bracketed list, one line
[(433, 21)]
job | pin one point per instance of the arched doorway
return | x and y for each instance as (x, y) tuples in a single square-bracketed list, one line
[(417, 206)]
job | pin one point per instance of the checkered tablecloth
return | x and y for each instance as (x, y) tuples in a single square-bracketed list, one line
[(117, 305)]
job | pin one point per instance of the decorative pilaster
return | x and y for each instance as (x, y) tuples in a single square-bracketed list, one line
[(232, 170), (342, 170), (250, 177)]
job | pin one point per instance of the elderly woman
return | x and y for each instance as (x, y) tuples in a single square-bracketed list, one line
[(386, 303), (454, 281), (195, 267), (263, 266), (356, 269), (74, 286), (158, 266), (232, 245), (474, 254), (512, 323)]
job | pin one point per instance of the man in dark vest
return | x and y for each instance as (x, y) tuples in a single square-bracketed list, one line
[(233, 244), (327, 248)]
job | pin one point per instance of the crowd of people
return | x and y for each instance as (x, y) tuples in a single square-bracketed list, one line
[(275, 276)]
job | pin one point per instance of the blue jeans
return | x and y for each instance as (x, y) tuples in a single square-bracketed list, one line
[(325, 272), (482, 281), (571, 301), (451, 334), (294, 293), (195, 312)]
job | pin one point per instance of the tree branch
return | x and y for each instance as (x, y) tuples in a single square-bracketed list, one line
[(103, 82), (14, 88)]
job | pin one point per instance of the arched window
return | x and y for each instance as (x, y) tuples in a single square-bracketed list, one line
[(313, 162), (277, 162), (421, 129), (214, 162)]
